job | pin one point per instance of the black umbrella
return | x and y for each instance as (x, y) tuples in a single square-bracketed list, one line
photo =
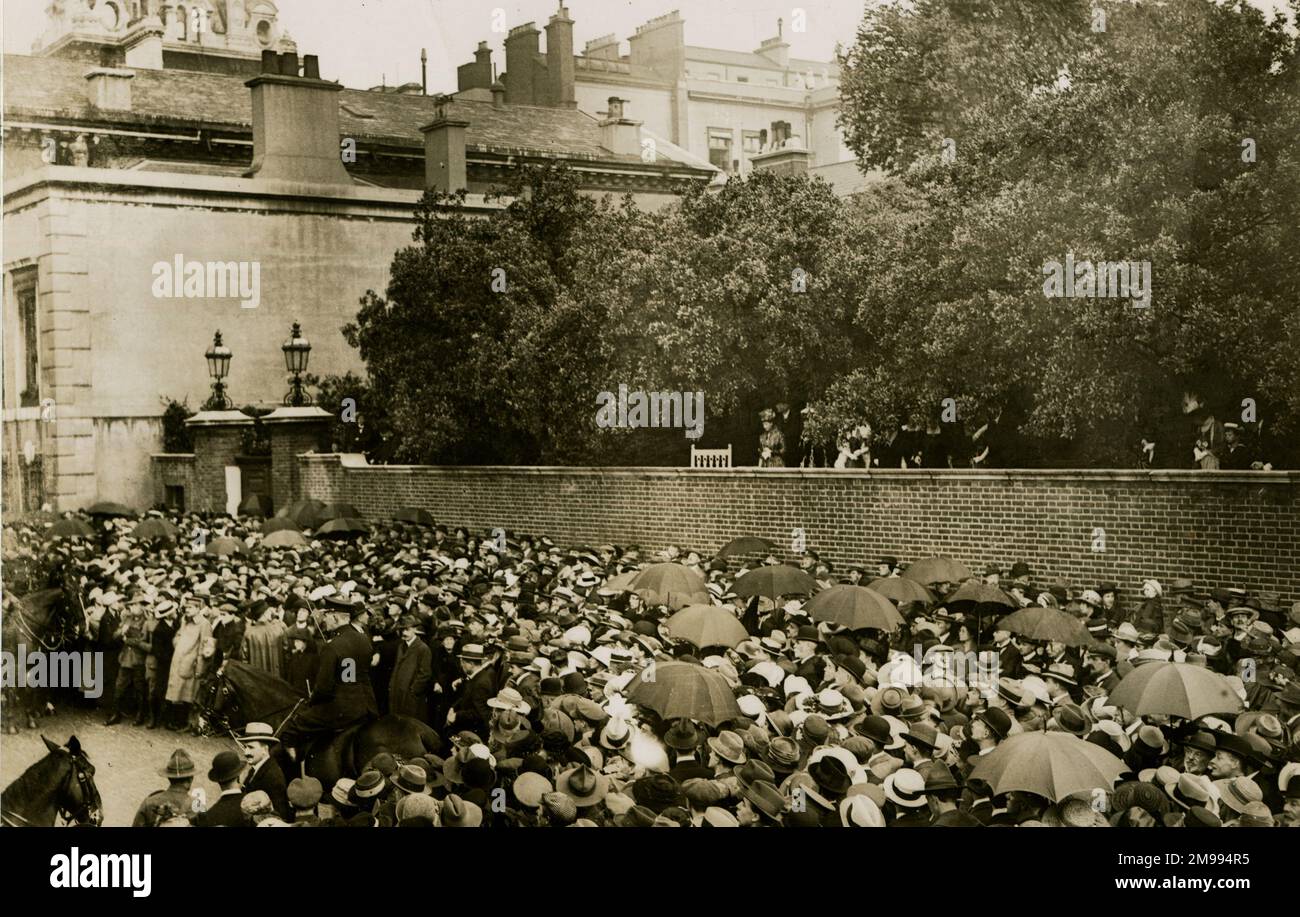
[(414, 515), (342, 528), (775, 580), (108, 508), (747, 544)]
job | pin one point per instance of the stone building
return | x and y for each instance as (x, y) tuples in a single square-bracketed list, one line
[(135, 149)]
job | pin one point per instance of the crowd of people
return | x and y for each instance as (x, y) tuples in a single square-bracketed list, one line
[(522, 654), (1201, 441)]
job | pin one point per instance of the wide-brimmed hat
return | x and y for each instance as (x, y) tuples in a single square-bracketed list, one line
[(411, 779), (783, 755), (1238, 792), (683, 736), (830, 775), (657, 792), (583, 784), (259, 732), (859, 811), (460, 813), (368, 785), (530, 787), (905, 787), (729, 746), (754, 769), (179, 766), (765, 798)]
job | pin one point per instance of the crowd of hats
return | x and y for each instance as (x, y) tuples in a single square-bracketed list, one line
[(833, 726)]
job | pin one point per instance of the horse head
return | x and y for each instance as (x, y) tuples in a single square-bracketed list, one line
[(78, 798)]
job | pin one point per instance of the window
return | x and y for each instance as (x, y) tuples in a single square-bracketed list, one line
[(752, 142), (720, 148), (264, 32), (29, 340), (175, 497)]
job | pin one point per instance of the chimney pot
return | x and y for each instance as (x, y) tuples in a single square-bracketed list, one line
[(270, 62), (109, 88), (311, 66), (289, 63), (498, 94)]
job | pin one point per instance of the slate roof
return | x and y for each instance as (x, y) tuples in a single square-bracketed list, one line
[(56, 88)]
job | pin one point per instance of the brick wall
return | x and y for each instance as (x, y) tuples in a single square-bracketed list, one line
[(1219, 528), (173, 470), (215, 447), (289, 440)]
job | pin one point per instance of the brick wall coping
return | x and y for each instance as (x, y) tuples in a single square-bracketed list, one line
[(1084, 476), (219, 419)]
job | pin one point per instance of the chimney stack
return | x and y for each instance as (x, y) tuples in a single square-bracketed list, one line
[(521, 64), (478, 74), (444, 150), (144, 44), (660, 45), (603, 48), (109, 89), (295, 122), (559, 61), (619, 134)]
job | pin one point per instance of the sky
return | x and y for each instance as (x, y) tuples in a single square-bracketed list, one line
[(364, 42)]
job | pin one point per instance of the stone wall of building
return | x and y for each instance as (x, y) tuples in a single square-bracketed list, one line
[(1218, 528)]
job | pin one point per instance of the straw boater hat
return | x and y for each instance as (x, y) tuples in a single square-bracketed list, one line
[(259, 732)]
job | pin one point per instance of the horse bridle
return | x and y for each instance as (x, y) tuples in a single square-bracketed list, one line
[(81, 770)]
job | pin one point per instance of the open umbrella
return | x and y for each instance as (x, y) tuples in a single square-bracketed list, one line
[(1038, 622), (70, 528), (339, 511), (304, 512), (902, 590), (107, 508), (980, 599), (855, 607), (683, 689), (255, 505), (774, 580), (414, 515), (670, 584), (1175, 689), (226, 545), (152, 529), (280, 524), (1049, 764), (707, 625), (747, 544), (286, 538), (620, 583), (342, 528), (937, 570)]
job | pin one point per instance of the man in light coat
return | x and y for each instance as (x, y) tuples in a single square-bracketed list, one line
[(193, 647)]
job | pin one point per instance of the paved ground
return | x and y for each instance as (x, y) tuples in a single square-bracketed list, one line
[(127, 758)]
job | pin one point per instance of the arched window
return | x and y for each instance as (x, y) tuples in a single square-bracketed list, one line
[(183, 15)]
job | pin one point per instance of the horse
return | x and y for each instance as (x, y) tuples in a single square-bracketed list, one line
[(45, 621), (60, 785), (241, 693)]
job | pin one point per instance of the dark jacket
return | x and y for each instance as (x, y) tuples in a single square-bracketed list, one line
[(408, 686), (270, 780), (343, 678), (224, 813), (472, 711)]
